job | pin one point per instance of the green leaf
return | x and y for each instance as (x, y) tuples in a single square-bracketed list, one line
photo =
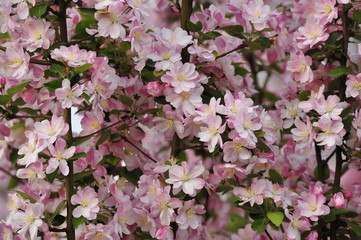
[(80, 140), (111, 159), (194, 27), (259, 225), (53, 85), (25, 196), (326, 172), (276, 217), (83, 68), (275, 177), (235, 222), (260, 43), (126, 100), (57, 211), (355, 227), (38, 10), (18, 88), (81, 175), (77, 156), (304, 95), (58, 220), (88, 21), (58, 69), (235, 31), (51, 177), (262, 146), (357, 16), (341, 70), (4, 99), (105, 136), (224, 189), (78, 221), (13, 182), (351, 214)]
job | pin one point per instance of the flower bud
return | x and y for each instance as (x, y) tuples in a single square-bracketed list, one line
[(154, 89), (337, 201)]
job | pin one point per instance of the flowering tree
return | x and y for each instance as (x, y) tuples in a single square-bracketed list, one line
[(199, 119)]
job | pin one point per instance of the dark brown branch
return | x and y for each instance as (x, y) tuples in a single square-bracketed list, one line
[(10, 175), (140, 150), (231, 51)]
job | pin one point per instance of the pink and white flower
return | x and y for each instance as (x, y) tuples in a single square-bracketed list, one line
[(88, 203), (37, 34), (188, 215), (59, 155), (338, 201), (212, 133), (183, 77), (332, 132), (51, 130), (300, 66), (69, 96), (31, 148), (186, 178), (353, 84), (312, 206)]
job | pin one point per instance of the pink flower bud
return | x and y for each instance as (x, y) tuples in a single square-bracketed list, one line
[(337, 201), (154, 89), (349, 195), (2, 81)]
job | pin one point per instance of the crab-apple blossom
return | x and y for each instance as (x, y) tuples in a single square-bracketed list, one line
[(187, 178), (353, 84), (59, 155), (69, 95), (312, 206), (87, 202), (331, 133)]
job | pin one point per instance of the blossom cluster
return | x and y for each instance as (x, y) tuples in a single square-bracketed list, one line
[(221, 124)]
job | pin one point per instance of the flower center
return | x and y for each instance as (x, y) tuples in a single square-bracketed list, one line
[(138, 35), (301, 68), (237, 146), (29, 218), (185, 177), (190, 212), (180, 77), (84, 203), (312, 207), (163, 205), (357, 85)]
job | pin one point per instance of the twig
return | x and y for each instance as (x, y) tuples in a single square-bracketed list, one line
[(10, 175), (231, 51), (268, 235), (140, 150)]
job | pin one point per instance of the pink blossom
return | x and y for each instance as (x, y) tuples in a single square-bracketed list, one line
[(253, 194), (186, 178), (59, 155), (303, 133), (310, 35), (185, 102), (337, 201), (164, 233), (233, 104), (164, 56), (332, 132), (326, 11), (15, 61), (300, 66), (29, 220), (332, 107), (6, 21), (163, 206), (31, 148), (51, 130), (37, 34), (33, 172), (183, 77), (110, 23), (123, 218), (245, 124), (188, 215), (353, 84), (296, 225), (175, 38), (88, 203), (236, 150), (312, 236), (312, 206), (69, 96), (257, 13), (356, 123), (4, 131), (72, 55), (98, 232), (154, 88), (212, 133)]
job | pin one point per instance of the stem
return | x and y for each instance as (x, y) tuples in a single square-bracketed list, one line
[(10, 175), (268, 235), (252, 63), (186, 12), (140, 150), (69, 180), (342, 89), (231, 51), (320, 163)]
